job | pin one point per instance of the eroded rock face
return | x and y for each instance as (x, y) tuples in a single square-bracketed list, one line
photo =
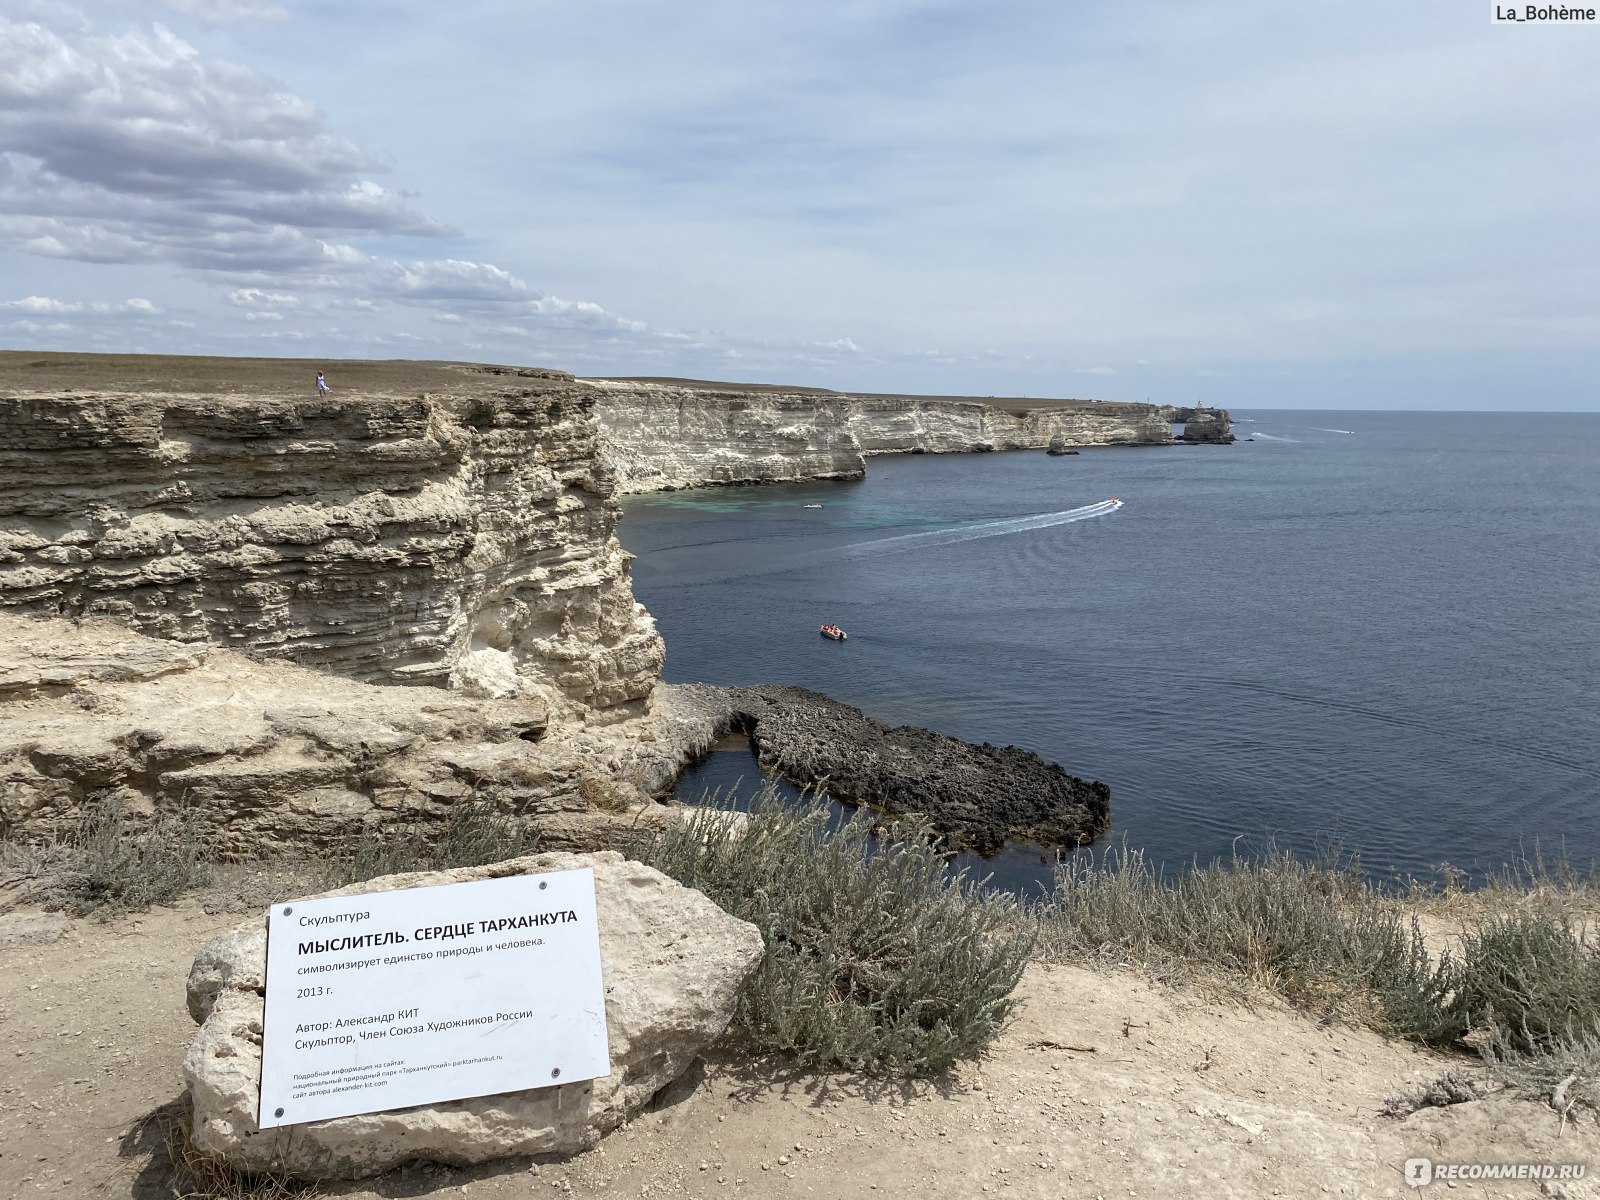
[(673, 964), (1208, 425), (268, 756), (462, 539), (658, 437)]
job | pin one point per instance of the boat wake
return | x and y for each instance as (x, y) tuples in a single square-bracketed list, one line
[(984, 529), (1320, 429), (1272, 437), (823, 558)]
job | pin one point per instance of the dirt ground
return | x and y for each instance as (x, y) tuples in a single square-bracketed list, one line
[(1105, 1086), (47, 371)]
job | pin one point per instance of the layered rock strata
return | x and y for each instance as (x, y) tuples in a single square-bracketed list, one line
[(463, 539), (658, 437), (673, 964), (268, 757), (981, 796)]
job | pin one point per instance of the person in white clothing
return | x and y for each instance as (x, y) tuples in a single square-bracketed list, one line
[(322, 385)]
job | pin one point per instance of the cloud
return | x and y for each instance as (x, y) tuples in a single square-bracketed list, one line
[(136, 147), (453, 279), (50, 305), (42, 304), (256, 298)]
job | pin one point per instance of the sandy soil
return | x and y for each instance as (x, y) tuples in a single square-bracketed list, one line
[(1106, 1085)]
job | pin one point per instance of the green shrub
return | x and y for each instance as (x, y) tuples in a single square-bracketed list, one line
[(472, 833), (112, 865), (877, 959), (1563, 1071), (1529, 978)]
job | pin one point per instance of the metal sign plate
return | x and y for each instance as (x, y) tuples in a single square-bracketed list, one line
[(393, 999)]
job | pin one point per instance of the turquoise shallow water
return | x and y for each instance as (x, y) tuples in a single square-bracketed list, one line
[(1379, 630)]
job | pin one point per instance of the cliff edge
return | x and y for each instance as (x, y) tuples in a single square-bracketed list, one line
[(463, 538), (661, 435)]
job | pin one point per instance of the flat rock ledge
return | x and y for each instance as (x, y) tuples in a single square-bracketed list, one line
[(673, 966), (980, 796)]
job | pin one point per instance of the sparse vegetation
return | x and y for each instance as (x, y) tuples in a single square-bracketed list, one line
[(1529, 977), (1453, 1087), (197, 1175), (876, 960), (1565, 1073), (113, 864), (473, 832), (879, 960), (1524, 984), (1312, 932)]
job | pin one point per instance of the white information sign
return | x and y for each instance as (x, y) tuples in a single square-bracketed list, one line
[(392, 999)]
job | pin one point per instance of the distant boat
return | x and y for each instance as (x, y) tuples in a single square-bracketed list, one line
[(834, 632), (811, 506)]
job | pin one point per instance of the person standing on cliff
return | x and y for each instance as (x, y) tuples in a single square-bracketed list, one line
[(322, 385)]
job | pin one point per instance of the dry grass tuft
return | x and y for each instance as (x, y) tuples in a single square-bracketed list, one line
[(197, 1175)]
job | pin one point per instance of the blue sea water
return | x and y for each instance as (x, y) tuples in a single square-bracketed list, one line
[(1375, 630)]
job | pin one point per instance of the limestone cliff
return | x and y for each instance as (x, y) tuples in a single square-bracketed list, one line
[(660, 436), (1200, 424), (463, 538)]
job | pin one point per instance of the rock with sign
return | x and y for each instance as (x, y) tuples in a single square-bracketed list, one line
[(673, 964)]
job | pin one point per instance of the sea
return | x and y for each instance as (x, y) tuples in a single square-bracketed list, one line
[(1370, 634)]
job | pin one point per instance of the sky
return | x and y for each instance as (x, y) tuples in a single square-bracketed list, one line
[(1250, 204)]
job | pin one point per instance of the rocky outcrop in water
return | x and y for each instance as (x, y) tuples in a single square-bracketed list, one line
[(979, 795), (459, 539), (1200, 424), (1209, 425), (658, 436)]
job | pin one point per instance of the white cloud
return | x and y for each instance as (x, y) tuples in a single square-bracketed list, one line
[(256, 298), (42, 304), (137, 147)]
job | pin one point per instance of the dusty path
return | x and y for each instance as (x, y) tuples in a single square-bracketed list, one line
[(1105, 1086)]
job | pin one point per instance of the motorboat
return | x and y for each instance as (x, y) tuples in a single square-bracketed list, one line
[(811, 506), (834, 632)]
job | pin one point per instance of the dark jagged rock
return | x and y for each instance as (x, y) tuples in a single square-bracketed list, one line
[(979, 795)]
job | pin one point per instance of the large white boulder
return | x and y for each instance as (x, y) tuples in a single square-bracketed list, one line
[(673, 964)]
